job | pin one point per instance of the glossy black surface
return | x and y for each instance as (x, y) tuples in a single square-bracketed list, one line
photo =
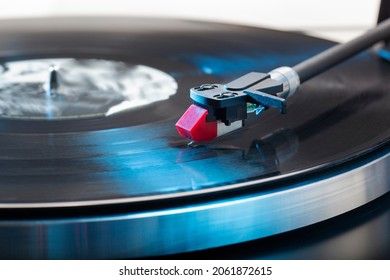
[(331, 122), (333, 118)]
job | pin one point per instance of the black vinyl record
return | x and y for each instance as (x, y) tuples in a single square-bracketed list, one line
[(72, 183)]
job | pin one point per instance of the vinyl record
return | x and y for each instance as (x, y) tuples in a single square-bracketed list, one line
[(91, 165)]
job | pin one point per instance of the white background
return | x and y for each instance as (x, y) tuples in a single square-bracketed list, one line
[(334, 19)]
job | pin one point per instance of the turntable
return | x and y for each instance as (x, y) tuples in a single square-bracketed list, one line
[(92, 166)]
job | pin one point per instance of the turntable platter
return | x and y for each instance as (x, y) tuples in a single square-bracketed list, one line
[(132, 177)]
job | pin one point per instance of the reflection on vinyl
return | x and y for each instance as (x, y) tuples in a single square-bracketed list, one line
[(92, 165), (66, 88)]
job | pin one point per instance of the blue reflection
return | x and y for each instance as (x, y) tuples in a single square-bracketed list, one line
[(385, 54), (236, 63)]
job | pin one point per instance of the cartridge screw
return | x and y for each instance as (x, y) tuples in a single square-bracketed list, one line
[(225, 94), (206, 87)]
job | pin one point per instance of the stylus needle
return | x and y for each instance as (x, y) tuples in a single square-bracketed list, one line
[(193, 125)]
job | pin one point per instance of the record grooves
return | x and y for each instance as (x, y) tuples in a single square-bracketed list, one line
[(131, 176)]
